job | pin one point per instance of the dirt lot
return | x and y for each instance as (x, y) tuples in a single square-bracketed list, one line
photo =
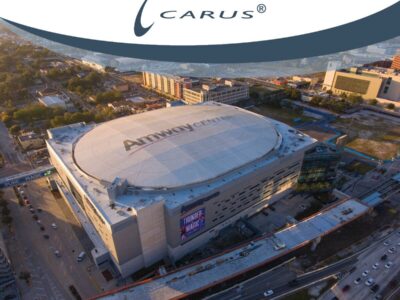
[(372, 134)]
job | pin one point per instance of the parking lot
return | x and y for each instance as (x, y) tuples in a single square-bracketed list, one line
[(46, 241)]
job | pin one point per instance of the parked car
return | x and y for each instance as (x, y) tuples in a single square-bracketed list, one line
[(346, 288), (54, 225), (392, 250), (357, 281), (389, 265), (384, 257), (81, 256), (74, 292), (57, 253), (375, 288), (375, 266), (268, 293), (365, 273)]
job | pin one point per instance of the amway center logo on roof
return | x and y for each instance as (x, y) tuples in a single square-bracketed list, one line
[(176, 14), (159, 136)]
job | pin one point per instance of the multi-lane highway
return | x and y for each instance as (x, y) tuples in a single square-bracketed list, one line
[(282, 281), (379, 264)]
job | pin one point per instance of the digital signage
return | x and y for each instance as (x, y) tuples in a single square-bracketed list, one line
[(193, 223)]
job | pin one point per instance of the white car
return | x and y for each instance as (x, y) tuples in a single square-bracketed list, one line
[(389, 265), (369, 282), (375, 266), (365, 273), (268, 293), (54, 225), (57, 253), (387, 243), (357, 281), (392, 250)]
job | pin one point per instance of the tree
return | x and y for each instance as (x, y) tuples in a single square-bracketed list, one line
[(25, 275), (5, 211), (254, 95), (3, 203), (390, 106), (373, 102), (355, 99), (6, 220), (294, 94), (15, 129)]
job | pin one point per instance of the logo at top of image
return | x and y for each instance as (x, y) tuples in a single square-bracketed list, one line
[(175, 14)]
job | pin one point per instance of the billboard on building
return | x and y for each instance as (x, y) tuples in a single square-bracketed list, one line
[(193, 223)]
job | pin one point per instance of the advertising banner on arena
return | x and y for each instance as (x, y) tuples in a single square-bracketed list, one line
[(193, 223)]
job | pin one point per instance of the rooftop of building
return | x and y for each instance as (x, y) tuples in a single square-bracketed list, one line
[(30, 136), (372, 71), (206, 273), (213, 86), (177, 147), (52, 100), (189, 151)]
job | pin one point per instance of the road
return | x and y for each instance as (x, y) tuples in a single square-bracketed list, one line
[(14, 160), (381, 276), (29, 250), (278, 281)]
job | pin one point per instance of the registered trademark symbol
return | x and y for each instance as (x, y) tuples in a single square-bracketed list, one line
[(261, 8)]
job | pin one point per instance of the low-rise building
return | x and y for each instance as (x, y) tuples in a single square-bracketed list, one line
[(31, 140), (228, 92), (55, 101)]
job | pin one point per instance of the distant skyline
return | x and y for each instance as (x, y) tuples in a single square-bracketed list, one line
[(380, 51)]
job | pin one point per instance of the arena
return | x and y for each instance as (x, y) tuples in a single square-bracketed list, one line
[(161, 184)]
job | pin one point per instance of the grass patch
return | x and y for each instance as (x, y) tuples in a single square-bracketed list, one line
[(284, 114)]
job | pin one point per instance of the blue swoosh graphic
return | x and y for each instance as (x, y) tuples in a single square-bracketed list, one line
[(139, 29), (375, 28)]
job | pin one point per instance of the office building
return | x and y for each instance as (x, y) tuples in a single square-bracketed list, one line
[(228, 92), (368, 82), (319, 168), (163, 183)]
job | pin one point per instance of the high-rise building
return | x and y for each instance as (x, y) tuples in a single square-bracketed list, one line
[(396, 63), (166, 84), (319, 168)]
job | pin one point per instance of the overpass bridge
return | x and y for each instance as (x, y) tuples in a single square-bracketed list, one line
[(24, 177)]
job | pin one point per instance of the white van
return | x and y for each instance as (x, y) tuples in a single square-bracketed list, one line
[(81, 256)]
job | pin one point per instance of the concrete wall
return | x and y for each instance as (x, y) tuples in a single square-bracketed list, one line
[(373, 89), (152, 235), (237, 199)]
